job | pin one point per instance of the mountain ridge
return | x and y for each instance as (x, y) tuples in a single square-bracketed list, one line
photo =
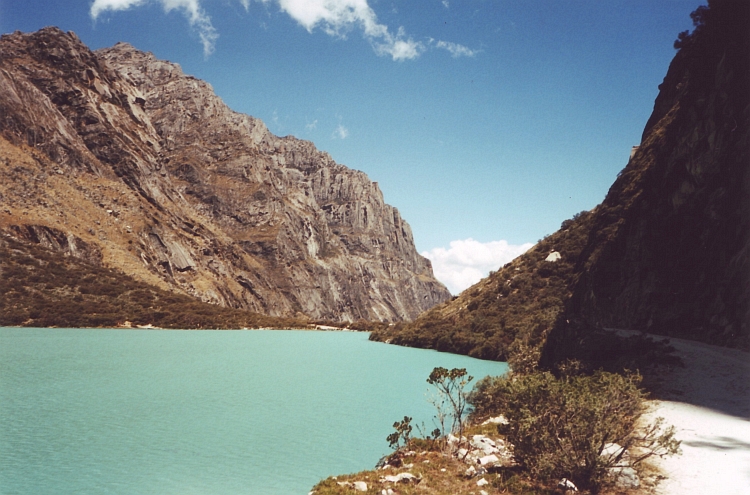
[(180, 191)]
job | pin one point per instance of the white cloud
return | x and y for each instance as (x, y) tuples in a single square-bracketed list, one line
[(199, 20), (445, 4), (338, 17), (456, 50), (341, 132), (334, 17), (100, 6), (310, 126), (467, 261)]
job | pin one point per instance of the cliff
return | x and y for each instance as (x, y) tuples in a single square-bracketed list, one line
[(668, 251), (125, 154)]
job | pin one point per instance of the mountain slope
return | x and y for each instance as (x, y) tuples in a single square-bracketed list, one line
[(147, 164), (668, 250)]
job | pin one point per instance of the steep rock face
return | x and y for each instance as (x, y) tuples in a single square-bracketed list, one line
[(668, 251), (147, 164)]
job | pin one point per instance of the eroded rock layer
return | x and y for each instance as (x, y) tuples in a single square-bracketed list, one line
[(149, 169)]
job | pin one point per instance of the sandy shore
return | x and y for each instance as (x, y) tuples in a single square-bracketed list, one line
[(708, 401)]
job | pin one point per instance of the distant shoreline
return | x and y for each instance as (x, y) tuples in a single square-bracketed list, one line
[(316, 328)]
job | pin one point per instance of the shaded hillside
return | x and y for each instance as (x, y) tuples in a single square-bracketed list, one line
[(668, 251), (150, 167)]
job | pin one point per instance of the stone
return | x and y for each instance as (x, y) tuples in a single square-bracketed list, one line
[(497, 420), (360, 486), (567, 485), (400, 478), (485, 444), (612, 450), (553, 257), (482, 482), (625, 477), (488, 460)]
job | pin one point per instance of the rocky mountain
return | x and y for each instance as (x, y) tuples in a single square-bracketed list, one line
[(122, 159), (668, 251)]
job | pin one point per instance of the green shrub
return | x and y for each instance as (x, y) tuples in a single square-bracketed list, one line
[(559, 427), (403, 432)]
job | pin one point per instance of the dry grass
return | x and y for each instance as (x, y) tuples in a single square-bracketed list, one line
[(439, 472)]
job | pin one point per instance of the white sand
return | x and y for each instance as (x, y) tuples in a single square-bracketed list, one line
[(708, 401)]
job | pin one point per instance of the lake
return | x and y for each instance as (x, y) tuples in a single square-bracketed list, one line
[(175, 412)]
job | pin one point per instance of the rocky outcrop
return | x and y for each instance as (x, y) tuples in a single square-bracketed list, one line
[(134, 158)]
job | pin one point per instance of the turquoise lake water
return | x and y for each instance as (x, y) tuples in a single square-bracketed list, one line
[(202, 412)]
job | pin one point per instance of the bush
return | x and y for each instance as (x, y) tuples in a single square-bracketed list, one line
[(559, 428)]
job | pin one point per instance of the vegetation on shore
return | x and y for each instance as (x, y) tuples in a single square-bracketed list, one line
[(575, 429)]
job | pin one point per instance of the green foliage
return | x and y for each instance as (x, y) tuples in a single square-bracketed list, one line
[(560, 427), (451, 401), (403, 432)]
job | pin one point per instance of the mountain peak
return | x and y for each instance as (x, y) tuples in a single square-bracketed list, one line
[(150, 166)]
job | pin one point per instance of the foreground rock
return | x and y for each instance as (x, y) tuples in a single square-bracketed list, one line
[(147, 166)]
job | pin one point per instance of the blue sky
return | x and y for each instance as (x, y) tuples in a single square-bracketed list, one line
[(485, 122)]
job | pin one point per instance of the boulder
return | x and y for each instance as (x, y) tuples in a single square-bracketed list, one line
[(625, 477), (485, 444), (360, 486), (567, 485), (488, 460), (612, 450), (497, 420), (553, 256)]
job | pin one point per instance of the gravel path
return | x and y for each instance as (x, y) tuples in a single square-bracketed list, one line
[(708, 401)]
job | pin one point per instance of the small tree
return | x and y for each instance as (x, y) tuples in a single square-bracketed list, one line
[(451, 387), (403, 432)]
